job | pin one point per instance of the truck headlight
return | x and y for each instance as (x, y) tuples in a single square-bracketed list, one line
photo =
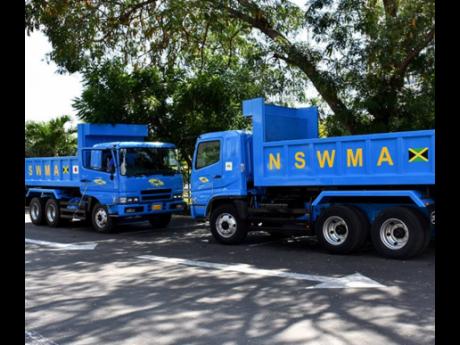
[(177, 196), (133, 200), (122, 200)]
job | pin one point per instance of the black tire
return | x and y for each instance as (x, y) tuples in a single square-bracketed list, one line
[(390, 244), (52, 213), (365, 224), (160, 221), (231, 228), (427, 233), (100, 219), (36, 211), (347, 229)]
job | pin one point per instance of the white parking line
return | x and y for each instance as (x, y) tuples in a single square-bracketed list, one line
[(64, 246), (34, 338), (355, 280)]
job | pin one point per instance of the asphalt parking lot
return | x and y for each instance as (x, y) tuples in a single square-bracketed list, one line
[(178, 286)]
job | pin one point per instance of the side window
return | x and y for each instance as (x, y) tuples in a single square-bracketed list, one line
[(100, 160), (208, 153)]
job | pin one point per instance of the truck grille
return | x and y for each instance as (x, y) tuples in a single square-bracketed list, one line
[(155, 194)]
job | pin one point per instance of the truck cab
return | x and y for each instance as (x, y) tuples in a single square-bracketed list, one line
[(221, 168), (109, 180)]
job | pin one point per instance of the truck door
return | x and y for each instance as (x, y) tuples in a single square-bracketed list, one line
[(206, 173), (98, 175)]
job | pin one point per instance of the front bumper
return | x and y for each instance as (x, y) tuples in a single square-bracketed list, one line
[(147, 209)]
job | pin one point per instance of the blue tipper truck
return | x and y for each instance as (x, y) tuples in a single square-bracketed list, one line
[(344, 190), (116, 176)]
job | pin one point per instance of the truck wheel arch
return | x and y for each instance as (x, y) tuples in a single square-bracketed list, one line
[(239, 203)]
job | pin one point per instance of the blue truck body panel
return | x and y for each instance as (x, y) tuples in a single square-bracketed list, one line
[(52, 171), (91, 134), (288, 153)]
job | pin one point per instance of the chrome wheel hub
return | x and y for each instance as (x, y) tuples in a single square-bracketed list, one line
[(335, 230), (51, 213), (394, 233), (226, 225), (34, 211), (101, 218)]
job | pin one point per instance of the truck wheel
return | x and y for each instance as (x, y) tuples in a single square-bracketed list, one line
[(399, 233), (101, 220), (159, 221), (36, 210), (341, 229), (226, 225), (52, 213)]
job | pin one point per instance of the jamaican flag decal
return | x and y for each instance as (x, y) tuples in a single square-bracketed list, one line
[(418, 154)]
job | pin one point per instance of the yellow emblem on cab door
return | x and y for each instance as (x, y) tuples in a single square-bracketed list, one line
[(203, 179), (99, 181)]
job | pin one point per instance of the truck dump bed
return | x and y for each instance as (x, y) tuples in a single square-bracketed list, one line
[(52, 172), (288, 152)]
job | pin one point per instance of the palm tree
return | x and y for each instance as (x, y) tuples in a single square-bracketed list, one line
[(46, 139)]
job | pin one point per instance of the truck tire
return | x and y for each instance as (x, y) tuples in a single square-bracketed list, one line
[(36, 211), (101, 220), (424, 220), (341, 229), (52, 213), (365, 224), (400, 233), (159, 221), (226, 225)]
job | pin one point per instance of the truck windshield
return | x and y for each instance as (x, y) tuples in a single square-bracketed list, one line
[(142, 161)]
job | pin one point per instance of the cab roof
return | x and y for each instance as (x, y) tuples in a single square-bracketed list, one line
[(130, 144)]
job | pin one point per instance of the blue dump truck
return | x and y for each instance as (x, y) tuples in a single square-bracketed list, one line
[(344, 190), (116, 176)]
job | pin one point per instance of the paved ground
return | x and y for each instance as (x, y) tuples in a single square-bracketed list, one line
[(111, 295)]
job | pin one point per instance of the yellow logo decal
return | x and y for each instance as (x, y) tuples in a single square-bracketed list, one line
[(274, 161), (156, 182), (99, 181), (300, 160), (47, 170), (203, 179), (326, 157), (56, 170), (385, 157), (355, 159), (65, 169)]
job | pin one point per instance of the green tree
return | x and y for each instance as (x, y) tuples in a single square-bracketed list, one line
[(178, 107), (372, 62), (51, 138)]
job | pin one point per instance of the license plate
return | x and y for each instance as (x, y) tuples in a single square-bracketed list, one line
[(156, 207)]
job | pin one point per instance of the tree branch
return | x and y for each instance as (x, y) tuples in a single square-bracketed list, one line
[(293, 56), (391, 7), (413, 54)]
